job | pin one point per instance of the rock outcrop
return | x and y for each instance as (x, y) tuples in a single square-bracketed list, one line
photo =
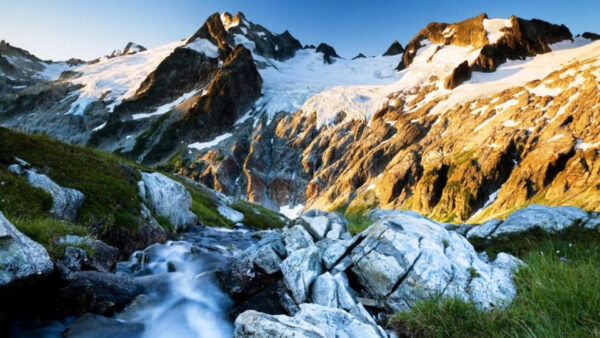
[(535, 217), (20, 257), (66, 201), (328, 282), (394, 49), (328, 53), (168, 198)]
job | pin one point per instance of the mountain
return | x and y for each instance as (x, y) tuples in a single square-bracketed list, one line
[(255, 115), (20, 69)]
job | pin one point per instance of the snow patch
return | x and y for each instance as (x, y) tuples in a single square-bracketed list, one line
[(167, 107), (494, 28), (204, 46), (204, 145), (290, 211), (99, 127)]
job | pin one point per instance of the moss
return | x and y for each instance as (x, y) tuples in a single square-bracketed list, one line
[(259, 217)]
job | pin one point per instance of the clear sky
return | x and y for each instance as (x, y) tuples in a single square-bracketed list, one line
[(86, 29)]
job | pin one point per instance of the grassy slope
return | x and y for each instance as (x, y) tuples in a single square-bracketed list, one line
[(557, 294), (109, 183)]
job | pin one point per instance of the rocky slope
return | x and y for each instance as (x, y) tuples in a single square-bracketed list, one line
[(529, 116)]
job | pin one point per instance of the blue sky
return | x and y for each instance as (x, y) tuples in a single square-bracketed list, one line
[(61, 29)]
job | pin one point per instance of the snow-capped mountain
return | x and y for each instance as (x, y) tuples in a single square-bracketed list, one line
[(252, 113)]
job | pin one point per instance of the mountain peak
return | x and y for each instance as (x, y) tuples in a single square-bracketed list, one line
[(328, 52), (394, 49)]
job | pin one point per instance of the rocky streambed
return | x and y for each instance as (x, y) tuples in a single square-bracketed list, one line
[(309, 279)]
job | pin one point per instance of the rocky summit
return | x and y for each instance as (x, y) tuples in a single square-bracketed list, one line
[(241, 183)]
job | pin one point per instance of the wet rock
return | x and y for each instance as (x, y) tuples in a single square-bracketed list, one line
[(104, 256), (66, 200), (73, 260), (20, 257), (168, 199), (98, 292), (299, 270), (95, 326)]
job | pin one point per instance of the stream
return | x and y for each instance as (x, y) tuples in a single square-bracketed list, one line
[(184, 297)]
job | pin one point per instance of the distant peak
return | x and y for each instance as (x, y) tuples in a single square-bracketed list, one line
[(394, 49)]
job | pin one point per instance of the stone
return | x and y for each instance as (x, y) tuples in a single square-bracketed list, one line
[(335, 322), (316, 226), (334, 251), (252, 324), (405, 258), (296, 238), (267, 260), (104, 256), (20, 257), (66, 200), (549, 219), (232, 215), (168, 198), (324, 290), (484, 230), (73, 260), (299, 270)]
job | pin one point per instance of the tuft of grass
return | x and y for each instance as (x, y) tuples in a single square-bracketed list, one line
[(557, 295), (47, 231), (357, 223), (259, 217)]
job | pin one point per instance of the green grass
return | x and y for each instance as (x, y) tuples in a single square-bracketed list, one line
[(109, 183), (557, 295), (259, 217), (358, 223), (46, 231), (203, 205)]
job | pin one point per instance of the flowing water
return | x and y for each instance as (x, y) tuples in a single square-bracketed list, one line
[(184, 298)]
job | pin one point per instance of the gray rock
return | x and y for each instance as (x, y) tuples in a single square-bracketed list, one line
[(335, 322), (168, 199), (324, 290), (484, 230), (334, 251), (316, 226), (345, 295), (296, 238), (20, 257), (406, 258), (66, 200), (299, 270), (104, 256), (255, 324), (267, 260), (72, 261), (549, 219)]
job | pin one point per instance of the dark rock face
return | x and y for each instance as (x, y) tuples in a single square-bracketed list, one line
[(394, 49), (328, 53), (591, 36), (524, 38), (359, 56), (458, 76), (95, 326)]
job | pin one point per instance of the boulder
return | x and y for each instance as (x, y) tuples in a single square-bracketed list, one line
[(66, 200), (296, 238), (324, 291), (255, 324), (404, 258), (168, 198), (299, 270), (336, 322), (104, 256), (548, 219), (20, 257), (95, 326)]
